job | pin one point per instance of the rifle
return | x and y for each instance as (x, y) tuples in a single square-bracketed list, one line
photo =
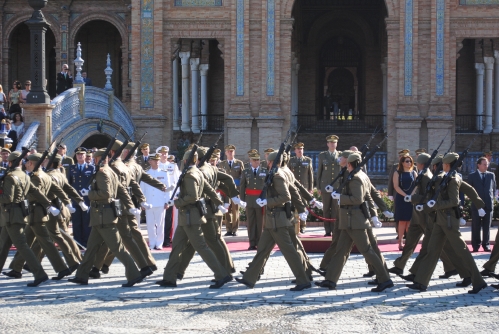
[(365, 148), (288, 147), (329, 188), (134, 148), (362, 163), (199, 139), (52, 156), (427, 164), (42, 159), (210, 151), (106, 152), (275, 167), (188, 162), (452, 171)]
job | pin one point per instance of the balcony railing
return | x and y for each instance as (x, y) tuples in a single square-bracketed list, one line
[(340, 124), (375, 166), (212, 122), (469, 123)]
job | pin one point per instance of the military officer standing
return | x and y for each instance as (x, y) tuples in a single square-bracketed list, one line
[(353, 225), (252, 182), (251, 152), (66, 161), (104, 212), (302, 169), (143, 158), (234, 167), (14, 216), (327, 170), (263, 162), (79, 178)]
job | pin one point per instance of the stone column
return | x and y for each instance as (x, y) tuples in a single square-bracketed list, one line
[(489, 75), (294, 91), (176, 125), (204, 95), (384, 105), (479, 95), (195, 94), (496, 94), (184, 57)]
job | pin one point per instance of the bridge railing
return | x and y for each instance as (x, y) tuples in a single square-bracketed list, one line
[(66, 110)]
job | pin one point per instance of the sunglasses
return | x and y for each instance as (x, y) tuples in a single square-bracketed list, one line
[(407, 161)]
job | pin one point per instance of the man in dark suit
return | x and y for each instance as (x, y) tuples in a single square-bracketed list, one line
[(64, 80), (484, 183), (88, 81), (12, 134), (79, 177)]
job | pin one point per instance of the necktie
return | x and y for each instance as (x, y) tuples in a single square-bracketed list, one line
[(483, 177), (230, 164), (81, 168), (254, 171)]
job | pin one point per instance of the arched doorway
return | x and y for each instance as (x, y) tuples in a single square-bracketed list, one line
[(98, 140), (99, 38), (20, 57)]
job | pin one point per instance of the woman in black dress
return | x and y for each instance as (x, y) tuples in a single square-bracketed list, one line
[(403, 183)]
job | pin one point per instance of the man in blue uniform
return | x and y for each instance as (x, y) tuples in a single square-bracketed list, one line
[(79, 177)]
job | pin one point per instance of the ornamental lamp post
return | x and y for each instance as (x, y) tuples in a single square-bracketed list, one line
[(38, 27), (78, 63)]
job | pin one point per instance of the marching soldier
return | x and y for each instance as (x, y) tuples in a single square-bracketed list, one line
[(189, 227), (14, 216), (234, 167), (79, 176), (104, 212), (276, 231), (302, 169), (252, 183), (353, 224), (447, 227), (326, 172)]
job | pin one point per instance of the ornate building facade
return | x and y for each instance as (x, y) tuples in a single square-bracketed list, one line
[(417, 68)]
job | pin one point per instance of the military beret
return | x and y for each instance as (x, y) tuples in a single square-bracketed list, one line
[(423, 158), (437, 159), (345, 153), (488, 153), (144, 146), (62, 146), (450, 157), (405, 151), (254, 156), (129, 146), (354, 157), (157, 156), (299, 145), (163, 149), (230, 147), (332, 138), (80, 150), (117, 144), (34, 157), (99, 153), (14, 155), (5, 149), (272, 156), (201, 151), (269, 150), (420, 150), (187, 153)]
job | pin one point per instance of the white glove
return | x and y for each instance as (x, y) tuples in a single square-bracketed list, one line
[(316, 204), (376, 222), (146, 205), (236, 200), (481, 212), (388, 214), (70, 208), (84, 192), (170, 202), (303, 216), (170, 188), (53, 211), (329, 188), (242, 204), (226, 206), (419, 207), (134, 211), (261, 202), (83, 206), (431, 203), (462, 222), (335, 195), (222, 209), (407, 198), (390, 198)]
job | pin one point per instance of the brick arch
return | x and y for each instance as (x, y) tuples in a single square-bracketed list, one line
[(287, 12), (14, 22), (118, 23)]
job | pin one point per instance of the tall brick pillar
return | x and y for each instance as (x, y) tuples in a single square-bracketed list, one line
[(42, 113)]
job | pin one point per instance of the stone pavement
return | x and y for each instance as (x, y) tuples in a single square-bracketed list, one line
[(103, 306)]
